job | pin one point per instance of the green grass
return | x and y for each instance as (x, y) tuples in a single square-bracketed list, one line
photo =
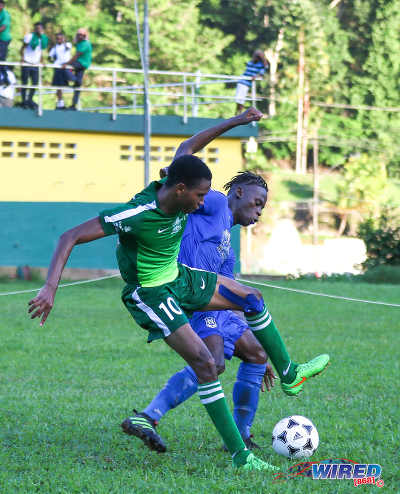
[(65, 387)]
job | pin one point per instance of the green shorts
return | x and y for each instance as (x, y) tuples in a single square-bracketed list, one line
[(165, 308)]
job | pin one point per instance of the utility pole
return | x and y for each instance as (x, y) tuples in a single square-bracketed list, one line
[(147, 116), (315, 189), (300, 102)]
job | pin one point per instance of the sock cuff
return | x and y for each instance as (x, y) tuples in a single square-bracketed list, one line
[(210, 392), (260, 321), (256, 316), (192, 374), (249, 371)]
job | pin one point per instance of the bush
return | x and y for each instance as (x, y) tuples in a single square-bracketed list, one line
[(383, 274), (382, 240)]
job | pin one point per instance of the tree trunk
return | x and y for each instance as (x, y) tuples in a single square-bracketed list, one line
[(272, 56), (300, 102)]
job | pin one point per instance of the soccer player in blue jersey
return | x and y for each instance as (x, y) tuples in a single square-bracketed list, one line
[(206, 245)]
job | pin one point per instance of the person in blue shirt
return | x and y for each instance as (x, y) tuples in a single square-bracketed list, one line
[(254, 68), (206, 245)]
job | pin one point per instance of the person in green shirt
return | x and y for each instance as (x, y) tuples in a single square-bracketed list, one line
[(161, 294), (5, 38), (80, 62)]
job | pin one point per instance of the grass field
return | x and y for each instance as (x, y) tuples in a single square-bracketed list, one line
[(65, 387)]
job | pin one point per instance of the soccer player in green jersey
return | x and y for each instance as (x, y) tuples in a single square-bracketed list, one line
[(161, 294)]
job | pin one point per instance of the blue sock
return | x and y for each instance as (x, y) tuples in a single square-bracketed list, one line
[(245, 395), (178, 389)]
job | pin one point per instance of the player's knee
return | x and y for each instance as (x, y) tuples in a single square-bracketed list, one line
[(255, 292), (260, 357), (205, 367), (255, 355)]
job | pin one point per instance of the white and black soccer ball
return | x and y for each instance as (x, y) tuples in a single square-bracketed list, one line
[(295, 437)]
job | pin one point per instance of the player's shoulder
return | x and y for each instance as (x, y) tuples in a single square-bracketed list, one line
[(214, 201), (146, 197)]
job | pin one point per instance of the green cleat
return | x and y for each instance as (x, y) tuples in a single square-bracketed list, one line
[(304, 372), (253, 463)]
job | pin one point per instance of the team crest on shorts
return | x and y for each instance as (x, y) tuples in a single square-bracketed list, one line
[(210, 322)]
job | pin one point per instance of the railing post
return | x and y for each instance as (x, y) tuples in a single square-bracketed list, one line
[(253, 97), (195, 90), (114, 95), (40, 105), (253, 93), (185, 117)]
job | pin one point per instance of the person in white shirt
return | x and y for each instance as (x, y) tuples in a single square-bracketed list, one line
[(7, 90), (59, 55), (31, 55)]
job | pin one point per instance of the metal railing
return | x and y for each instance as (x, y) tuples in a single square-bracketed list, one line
[(187, 93)]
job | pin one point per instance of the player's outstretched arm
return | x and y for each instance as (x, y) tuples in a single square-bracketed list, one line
[(41, 305), (200, 140)]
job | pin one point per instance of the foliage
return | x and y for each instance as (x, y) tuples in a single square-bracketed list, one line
[(352, 57), (384, 273), (364, 183), (382, 239)]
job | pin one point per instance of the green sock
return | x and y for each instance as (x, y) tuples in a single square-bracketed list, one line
[(267, 334), (213, 398)]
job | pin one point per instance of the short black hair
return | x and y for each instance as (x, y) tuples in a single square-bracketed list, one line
[(38, 24), (246, 178), (189, 170)]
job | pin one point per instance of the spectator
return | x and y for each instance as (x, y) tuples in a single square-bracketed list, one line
[(59, 55), (31, 55), (80, 62), (255, 67), (5, 38), (7, 90)]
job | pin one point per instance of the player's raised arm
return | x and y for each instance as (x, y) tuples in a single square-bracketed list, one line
[(201, 139), (41, 305)]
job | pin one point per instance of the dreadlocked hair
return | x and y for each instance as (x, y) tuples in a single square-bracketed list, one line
[(246, 178)]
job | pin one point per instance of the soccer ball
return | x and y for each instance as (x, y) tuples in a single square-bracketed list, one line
[(295, 437)]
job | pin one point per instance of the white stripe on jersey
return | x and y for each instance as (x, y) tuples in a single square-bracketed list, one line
[(130, 212)]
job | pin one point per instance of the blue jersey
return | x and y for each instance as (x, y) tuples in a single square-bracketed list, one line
[(206, 241), (253, 69)]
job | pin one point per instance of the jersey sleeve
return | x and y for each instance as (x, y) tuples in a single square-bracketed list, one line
[(213, 202), (27, 38), (121, 219)]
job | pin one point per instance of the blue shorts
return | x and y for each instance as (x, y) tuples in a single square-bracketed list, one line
[(222, 322)]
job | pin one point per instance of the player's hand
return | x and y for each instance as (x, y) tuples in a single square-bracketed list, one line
[(164, 172), (250, 115), (41, 305), (269, 378)]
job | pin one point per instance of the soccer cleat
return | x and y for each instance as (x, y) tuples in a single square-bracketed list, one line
[(142, 427), (304, 372), (253, 463), (250, 444), (248, 441)]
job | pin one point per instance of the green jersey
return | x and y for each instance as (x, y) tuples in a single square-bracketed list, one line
[(5, 20), (149, 239), (85, 48)]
